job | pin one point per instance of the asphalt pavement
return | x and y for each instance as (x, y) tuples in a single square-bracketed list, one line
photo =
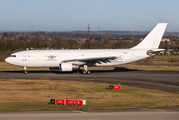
[(149, 79)]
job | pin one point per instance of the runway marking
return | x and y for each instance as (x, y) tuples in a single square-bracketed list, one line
[(127, 81), (44, 78), (87, 80), (152, 109), (79, 111), (130, 81), (123, 82)]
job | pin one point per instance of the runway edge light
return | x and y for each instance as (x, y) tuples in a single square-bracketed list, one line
[(114, 86), (52, 101)]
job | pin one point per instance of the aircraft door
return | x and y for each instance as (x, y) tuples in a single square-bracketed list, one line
[(29, 57), (24, 59), (24, 56), (35, 58)]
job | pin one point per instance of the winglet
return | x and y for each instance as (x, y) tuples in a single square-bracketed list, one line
[(152, 40)]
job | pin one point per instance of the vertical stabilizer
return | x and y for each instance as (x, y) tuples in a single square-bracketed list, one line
[(152, 40)]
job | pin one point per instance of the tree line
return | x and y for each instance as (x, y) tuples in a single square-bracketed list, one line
[(10, 42)]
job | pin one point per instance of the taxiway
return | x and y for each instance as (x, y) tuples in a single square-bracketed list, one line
[(127, 114), (153, 79)]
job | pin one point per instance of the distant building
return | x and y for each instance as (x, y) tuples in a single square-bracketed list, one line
[(165, 39), (141, 39), (48, 38), (82, 40)]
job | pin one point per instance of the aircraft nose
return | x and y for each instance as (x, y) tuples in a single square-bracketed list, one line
[(8, 60)]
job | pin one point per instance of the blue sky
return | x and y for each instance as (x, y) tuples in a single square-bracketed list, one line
[(69, 15)]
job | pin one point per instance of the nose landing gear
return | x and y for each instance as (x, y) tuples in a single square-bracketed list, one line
[(25, 70)]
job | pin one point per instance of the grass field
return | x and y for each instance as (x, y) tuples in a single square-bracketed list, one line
[(19, 95), (167, 57)]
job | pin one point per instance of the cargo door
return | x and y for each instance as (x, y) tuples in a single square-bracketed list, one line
[(24, 56)]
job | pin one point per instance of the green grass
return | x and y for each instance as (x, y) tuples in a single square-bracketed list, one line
[(19, 95)]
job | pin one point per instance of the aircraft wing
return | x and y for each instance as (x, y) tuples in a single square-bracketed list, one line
[(92, 60)]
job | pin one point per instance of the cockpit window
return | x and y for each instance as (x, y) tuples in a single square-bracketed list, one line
[(12, 55)]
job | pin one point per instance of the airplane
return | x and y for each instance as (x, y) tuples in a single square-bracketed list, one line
[(73, 59)]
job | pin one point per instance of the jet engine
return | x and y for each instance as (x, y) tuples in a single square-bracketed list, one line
[(66, 67)]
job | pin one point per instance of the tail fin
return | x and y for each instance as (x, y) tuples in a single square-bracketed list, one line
[(152, 40)]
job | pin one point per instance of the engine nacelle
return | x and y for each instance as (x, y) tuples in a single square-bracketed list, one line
[(66, 67)]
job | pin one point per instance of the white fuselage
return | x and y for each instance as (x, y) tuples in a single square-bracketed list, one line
[(52, 58)]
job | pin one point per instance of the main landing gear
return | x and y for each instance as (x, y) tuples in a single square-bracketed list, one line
[(85, 71)]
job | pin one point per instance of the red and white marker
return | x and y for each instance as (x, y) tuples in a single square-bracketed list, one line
[(68, 102), (114, 87)]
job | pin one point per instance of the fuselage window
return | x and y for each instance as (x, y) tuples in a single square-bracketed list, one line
[(12, 55)]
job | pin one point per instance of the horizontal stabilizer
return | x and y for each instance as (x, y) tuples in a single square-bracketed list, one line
[(155, 51)]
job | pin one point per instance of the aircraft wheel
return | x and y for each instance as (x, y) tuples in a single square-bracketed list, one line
[(80, 71), (88, 72), (84, 72)]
